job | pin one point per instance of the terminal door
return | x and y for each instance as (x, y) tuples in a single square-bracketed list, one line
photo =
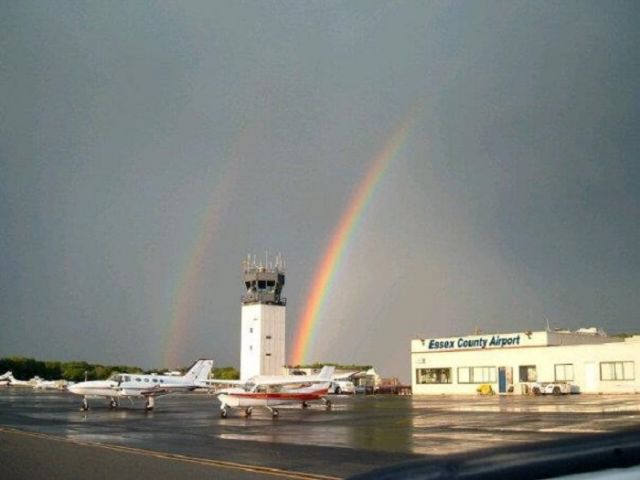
[(505, 379)]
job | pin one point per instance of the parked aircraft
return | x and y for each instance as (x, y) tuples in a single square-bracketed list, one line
[(270, 391), (40, 384), (7, 378), (128, 385)]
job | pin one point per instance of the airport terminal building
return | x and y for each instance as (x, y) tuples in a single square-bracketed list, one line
[(511, 363)]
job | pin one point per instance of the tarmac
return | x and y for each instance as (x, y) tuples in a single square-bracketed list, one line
[(44, 435)]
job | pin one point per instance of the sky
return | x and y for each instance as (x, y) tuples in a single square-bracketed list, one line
[(147, 147)]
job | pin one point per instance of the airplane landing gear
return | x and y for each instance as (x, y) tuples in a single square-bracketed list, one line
[(85, 405), (274, 412), (151, 402), (223, 413), (327, 404), (305, 405), (248, 411), (113, 403)]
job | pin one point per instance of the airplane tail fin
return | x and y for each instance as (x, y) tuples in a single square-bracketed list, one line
[(200, 370), (327, 373)]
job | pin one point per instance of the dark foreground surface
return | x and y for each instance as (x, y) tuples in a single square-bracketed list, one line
[(44, 435)]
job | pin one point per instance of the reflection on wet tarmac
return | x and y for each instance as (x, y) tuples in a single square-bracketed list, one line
[(435, 425)]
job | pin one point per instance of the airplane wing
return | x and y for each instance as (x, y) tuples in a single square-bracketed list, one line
[(325, 376), (158, 390), (219, 381)]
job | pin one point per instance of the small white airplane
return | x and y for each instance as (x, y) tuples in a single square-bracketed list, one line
[(4, 378), (7, 378), (41, 384), (127, 385), (271, 390)]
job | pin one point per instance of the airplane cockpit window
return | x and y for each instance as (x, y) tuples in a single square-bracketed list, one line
[(250, 387), (116, 378)]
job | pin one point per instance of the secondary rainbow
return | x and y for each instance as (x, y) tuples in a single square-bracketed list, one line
[(189, 284), (329, 265)]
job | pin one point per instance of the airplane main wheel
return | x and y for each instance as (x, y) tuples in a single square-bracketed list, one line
[(338, 391), (275, 412), (223, 413), (84, 406), (305, 405), (113, 404), (248, 411), (328, 404)]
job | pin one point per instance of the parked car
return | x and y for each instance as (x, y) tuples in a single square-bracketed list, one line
[(551, 388), (338, 387), (364, 389)]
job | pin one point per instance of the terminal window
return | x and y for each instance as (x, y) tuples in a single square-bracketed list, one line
[(528, 373), (476, 375), (433, 375), (617, 371), (564, 372)]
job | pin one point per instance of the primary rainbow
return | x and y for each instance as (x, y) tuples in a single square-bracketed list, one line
[(331, 260)]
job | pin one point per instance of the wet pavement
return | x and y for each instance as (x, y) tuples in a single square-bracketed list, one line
[(358, 434)]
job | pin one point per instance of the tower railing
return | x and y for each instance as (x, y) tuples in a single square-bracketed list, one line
[(263, 297)]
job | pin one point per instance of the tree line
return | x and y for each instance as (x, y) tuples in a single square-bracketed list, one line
[(26, 368)]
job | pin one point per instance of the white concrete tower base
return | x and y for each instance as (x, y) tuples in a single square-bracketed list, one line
[(262, 340)]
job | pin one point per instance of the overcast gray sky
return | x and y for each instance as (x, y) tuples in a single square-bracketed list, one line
[(146, 148)]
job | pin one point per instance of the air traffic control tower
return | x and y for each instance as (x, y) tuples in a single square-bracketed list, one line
[(262, 349)]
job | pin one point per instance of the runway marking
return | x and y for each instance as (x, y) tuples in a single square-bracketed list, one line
[(182, 458)]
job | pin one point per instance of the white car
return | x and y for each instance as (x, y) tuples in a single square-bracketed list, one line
[(342, 386), (552, 388)]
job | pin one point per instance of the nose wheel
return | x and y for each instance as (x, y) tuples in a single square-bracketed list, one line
[(224, 413), (84, 406)]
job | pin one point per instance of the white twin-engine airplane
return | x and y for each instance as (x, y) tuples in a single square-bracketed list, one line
[(269, 391), (129, 385)]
